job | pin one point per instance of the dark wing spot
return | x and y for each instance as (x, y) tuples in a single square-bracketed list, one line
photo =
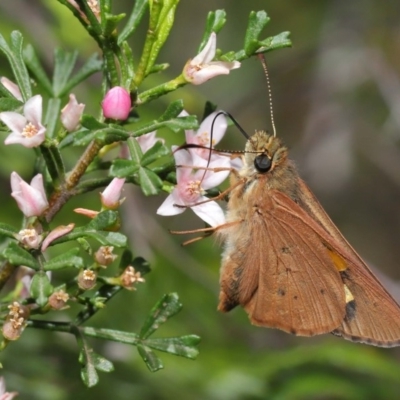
[(285, 250), (322, 291), (293, 331), (295, 297), (350, 310), (281, 292)]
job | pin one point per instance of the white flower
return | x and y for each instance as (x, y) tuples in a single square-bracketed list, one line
[(31, 199), (71, 113), (191, 185), (202, 136), (27, 129), (201, 68)]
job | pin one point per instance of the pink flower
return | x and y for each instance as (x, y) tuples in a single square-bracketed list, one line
[(31, 199), (12, 88), (117, 104), (202, 136), (191, 185), (71, 113), (26, 129), (200, 69), (110, 198), (148, 140), (56, 233)]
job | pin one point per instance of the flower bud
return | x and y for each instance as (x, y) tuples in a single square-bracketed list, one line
[(87, 279), (71, 113), (117, 104), (110, 198), (104, 255)]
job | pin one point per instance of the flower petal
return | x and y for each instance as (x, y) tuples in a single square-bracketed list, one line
[(208, 52), (168, 208), (33, 110), (210, 212)]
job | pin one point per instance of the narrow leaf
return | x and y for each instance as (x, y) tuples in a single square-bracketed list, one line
[(122, 168), (154, 153), (257, 22), (149, 357), (150, 183), (64, 64), (8, 230), (168, 306), (137, 13), (184, 346), (88, 372), (215, 21)]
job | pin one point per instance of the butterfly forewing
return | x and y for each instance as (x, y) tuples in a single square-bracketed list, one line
[(289, 266)]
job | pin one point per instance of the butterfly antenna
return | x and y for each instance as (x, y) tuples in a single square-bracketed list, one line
[(271, 110)]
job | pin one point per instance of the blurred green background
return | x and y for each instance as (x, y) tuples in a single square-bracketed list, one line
[(336, 98)]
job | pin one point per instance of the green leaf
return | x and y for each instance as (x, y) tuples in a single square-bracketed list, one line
[(184, 346), (257, 22), (14, 56), (150, 183), (41, 288), (92, 65), (88, 372), (275, 42), (52, 117), (154, 153), (110, 23), (101, 363), (134, 150), (104, 238), (91, 123), (8, 230), (149, 357), (9, 104), (141, 265), (172, 111), (137, 13), (16, 255), (33, 63), (122, 168), (215, 22), (168, 306), (64, 64), (79, 138), (111, 334), (161, 33), (104, 220), (65, 260)]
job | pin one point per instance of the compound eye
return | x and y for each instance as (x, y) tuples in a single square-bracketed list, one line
[(262, 163)]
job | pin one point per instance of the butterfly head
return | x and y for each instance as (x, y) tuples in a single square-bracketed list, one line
[(264, 152)]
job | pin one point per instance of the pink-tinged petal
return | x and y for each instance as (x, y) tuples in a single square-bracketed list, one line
[(110, 198), (208, 52), (117, 104), (3, 394), (71, 113), (55, 234), (12, 88), (167, 208), (237, 163), (31, 199), (34, 141), (16, 122), (218, 126), (210, 212), (211, 70), (37, 183), (213, 179), (147, 141), (33, 110)]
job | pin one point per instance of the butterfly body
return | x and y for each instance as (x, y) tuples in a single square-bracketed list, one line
[(287, 264)]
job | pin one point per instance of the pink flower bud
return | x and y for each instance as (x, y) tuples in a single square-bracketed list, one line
[(31, 199), (71, 113), (110, 198), (12, 88), (116, 104)]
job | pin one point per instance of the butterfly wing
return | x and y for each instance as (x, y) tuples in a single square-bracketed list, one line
[(281, 273), (373, 316)]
